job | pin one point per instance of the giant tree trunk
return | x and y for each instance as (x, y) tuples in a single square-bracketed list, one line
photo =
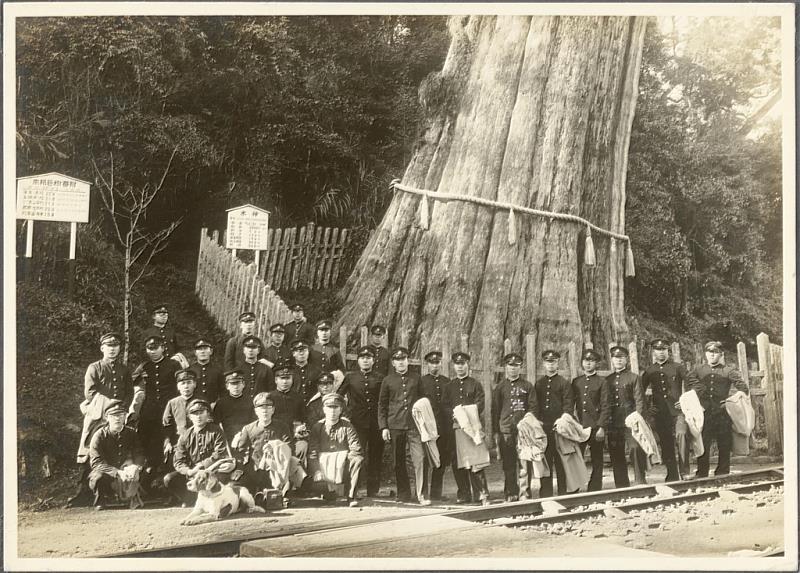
[(534, 111)]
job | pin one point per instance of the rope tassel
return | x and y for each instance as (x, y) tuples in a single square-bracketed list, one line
[(630, 269), (512, 228), (589, 258), (423, 213)]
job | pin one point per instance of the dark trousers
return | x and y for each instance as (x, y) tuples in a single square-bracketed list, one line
[(445, 445), (101, 485), (596, 451), (553, 461), (616, 451), (254, 479), (682, 437), (151, 437), (717, 426), (403, 440), (372, 445), (515, 477), (665, 428), (175, 483)]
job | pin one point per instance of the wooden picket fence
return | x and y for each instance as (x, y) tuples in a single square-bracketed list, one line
[(227, 287), (303, 257), (764, 378)]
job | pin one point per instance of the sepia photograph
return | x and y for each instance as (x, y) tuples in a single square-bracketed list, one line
[(452, 286)]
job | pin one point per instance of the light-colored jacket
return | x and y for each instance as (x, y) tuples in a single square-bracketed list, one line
[(471, 450), (422, 412), (284, 469), (531, 444), (743, 419), (693, 414), (568, 434), (644, 437)]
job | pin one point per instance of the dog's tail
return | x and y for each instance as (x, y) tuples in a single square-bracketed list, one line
[(225, 465)]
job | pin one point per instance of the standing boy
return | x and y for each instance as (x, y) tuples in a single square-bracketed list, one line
[(591, 405), (513, 397), (554, 397)]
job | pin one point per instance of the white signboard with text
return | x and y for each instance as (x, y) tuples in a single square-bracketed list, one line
[(53, 197), (248, 228)]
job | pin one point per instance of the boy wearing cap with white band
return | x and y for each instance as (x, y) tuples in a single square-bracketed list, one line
[(713, 383)]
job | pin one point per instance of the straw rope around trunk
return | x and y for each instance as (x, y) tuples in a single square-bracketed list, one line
[(589, 258)]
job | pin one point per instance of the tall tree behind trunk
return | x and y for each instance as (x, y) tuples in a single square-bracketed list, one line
[(533, 111)]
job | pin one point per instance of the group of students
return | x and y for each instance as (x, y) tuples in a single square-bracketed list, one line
[(295, 420)]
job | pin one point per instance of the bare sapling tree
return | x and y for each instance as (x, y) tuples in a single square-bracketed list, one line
[(127, 206)]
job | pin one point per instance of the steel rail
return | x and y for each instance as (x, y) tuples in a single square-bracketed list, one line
[(230, 546), (639, 505)]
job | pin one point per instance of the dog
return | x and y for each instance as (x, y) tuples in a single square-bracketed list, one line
[(216, 501)]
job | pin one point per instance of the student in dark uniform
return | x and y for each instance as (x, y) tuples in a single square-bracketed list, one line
[(304, 373), (381, 352), (463, 390), (361, 388), (625, 396), (210, 382), (399, 391), (157, 375), (330, 359), (299, 327), (197, 448), (258, 377), (234, 410), (289, 405), (713, 382), (554, 396), (276, 351), (591, 406), (234, 355), (663, 382), (512, 398), (163, 329), (433, 388), (113, 447)]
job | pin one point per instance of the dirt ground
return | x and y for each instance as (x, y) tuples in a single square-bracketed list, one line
[(83, 532)]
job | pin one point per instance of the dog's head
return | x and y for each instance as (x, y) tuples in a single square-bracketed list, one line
[(206, 479)]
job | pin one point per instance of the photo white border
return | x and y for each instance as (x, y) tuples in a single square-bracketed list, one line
[(12, 11)]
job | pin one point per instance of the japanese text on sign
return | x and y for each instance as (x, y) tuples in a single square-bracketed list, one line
[(52, 197), (248, 228)]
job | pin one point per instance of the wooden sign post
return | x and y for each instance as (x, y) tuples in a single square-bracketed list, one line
[(53, 197), (248, 228)]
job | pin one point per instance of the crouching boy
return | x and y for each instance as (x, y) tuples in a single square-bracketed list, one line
[(335, 456), (116, 459), (265, 446), (198, 447)]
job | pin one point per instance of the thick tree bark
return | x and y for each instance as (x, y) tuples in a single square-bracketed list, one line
[(534, 111)]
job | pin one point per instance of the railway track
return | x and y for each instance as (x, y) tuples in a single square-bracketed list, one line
[(520, 513)]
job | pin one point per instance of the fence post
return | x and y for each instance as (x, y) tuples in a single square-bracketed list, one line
[(769, 382), (199, 273), (487, 381), (343, 345), (530, 357), (676, 352), (571, 360), (633, 350), (364, 335), (446, 352), (741, 353)]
